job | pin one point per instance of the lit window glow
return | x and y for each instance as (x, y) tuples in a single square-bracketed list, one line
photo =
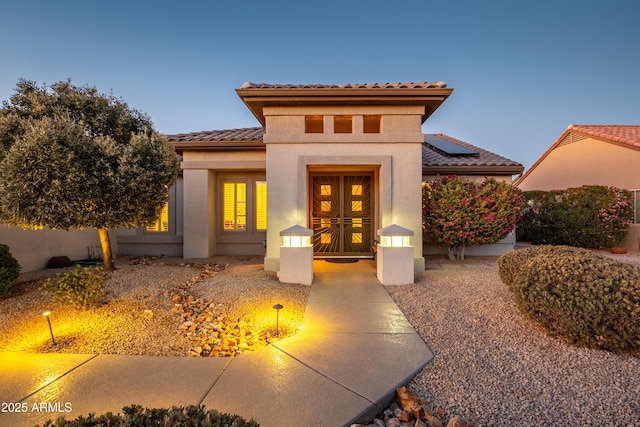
[(235, 205), (162, 223), (261, 205)]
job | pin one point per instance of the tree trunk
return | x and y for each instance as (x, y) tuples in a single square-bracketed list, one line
[(107, 256)]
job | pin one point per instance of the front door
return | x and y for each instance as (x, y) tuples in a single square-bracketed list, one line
[(341, 214)]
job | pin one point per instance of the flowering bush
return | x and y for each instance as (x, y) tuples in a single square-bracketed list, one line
[(459, 213), (591, 216)]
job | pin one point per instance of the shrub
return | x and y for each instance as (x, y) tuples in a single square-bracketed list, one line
[(588, 299), (511, 263), (458, 213), (82, 288), (591, 216), (9, 270), (135, 415)]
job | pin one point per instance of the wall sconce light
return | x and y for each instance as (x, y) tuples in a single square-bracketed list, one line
[(278, 307), (46, 314)]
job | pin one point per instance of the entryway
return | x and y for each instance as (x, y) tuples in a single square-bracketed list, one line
[(342, 214)]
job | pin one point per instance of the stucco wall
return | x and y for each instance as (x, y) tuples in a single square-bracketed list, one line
[(585, 162), (34, 248), (201, 171), (139, 242), (394, 155)]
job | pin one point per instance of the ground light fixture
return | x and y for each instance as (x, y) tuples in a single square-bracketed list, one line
[(47, 313), (278, 307)]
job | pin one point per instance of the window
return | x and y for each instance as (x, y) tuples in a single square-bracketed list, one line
[(371, 123), (342, 124), (162, 223), (242, 204), (313, 124), (261, 205), (636, 206), (235, 206)]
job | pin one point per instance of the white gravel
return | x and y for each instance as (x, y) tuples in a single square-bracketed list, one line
[(493, 367)]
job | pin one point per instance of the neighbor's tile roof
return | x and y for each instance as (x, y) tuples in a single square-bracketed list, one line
[(625, 134), (411, 85), (484, 162)]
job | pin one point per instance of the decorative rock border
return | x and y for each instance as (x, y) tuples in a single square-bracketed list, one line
[(212, 332), (410, 411)]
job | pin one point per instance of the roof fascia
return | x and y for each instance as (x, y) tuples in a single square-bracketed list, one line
[(473, 170), (258, 98), (218, 146)]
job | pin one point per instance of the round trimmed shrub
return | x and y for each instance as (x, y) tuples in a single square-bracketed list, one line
[(588, 299), (9, 270), (510, 264)]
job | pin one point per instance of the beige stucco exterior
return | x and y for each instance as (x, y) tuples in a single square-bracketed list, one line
[(576, 160), (34, 248), (588, 161), (394, 156), (202, 173)]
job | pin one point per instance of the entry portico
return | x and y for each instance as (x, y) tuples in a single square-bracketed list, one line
[(341, 160)]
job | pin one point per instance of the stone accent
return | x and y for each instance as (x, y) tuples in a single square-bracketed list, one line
[(410, 411), (212, 332)]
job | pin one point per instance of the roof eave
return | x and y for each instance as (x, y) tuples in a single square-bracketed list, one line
[(217, 146), (473, 170), (258, 98)]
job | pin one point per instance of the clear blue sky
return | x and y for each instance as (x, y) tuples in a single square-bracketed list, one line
[(522, 70)]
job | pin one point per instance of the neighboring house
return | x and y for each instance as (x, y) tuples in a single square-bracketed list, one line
[(343, 161), (591, 155)]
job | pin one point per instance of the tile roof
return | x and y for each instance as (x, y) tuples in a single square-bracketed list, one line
[(242, 134), (435, 161), (411, 85), (625, 134)]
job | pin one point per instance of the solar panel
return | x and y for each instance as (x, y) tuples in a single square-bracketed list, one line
[(447, 147)]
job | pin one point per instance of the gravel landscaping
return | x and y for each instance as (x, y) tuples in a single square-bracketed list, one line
[(139, 316), (493, 367)]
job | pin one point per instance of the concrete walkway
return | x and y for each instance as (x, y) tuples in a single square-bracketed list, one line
[(354, 349)]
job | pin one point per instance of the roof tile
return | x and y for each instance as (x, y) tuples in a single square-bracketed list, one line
[(241, 134), (411, 85), (432, 157), (625, 134)]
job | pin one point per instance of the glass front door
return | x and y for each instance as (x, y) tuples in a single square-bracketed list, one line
[(341, 215)]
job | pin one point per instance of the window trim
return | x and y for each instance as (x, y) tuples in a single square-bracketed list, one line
[(250, 181)]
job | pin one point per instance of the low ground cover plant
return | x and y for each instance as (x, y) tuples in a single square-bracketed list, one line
[(9, 270), (83, 287), (591, 216), (136, 415), (574, 293)]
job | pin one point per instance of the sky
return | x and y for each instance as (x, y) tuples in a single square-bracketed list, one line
[(522, 71)]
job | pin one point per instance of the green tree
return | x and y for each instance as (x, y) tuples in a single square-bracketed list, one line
[(72, 158), (459, 213)]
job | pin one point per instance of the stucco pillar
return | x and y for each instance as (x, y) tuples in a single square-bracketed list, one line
[(198, 213)]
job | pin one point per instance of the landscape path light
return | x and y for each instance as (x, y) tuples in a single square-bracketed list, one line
[(278, 307), (47, 314)]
